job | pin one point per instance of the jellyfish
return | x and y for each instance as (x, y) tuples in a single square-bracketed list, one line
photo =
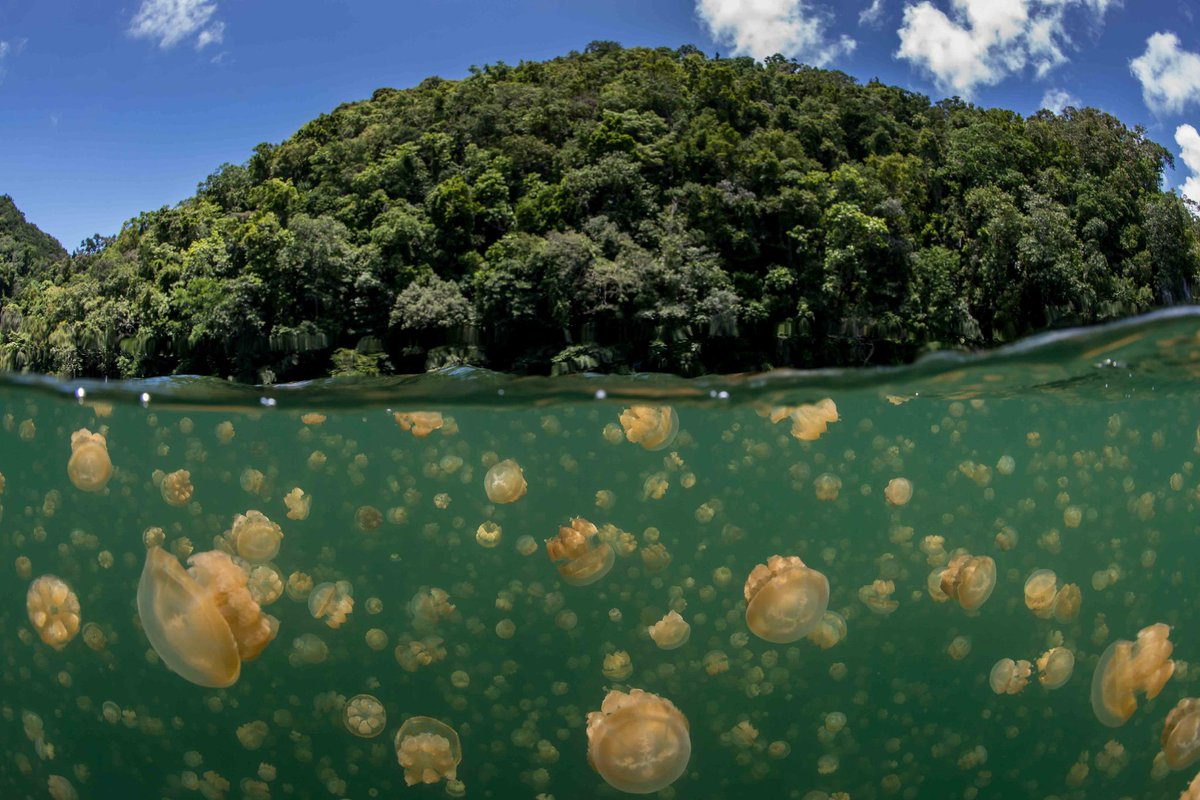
[(420, 423), (785, 599), (202, 622), (638, 742), (1010, 677), (365, 716), (653, 427), (505, 482), (617, 666), (308, 648), (89, 467), (176, 488), (265, 584), (488, 534), (670, 632), (877, 596), (428, 750), (969, 580), (1055, 667), (428, 607), (1066, 603), (809, 420), (1041, 590), (298, 503), (1181, 733), (578, 553), (331, 602), (830, 630), (53, 610), (898, 492), (827, 486), (254, 537), (1126, 668)]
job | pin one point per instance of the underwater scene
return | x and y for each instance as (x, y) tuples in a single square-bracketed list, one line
[(974, 577)]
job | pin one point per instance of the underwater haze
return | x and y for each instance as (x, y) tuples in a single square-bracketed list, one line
[(423, 587)]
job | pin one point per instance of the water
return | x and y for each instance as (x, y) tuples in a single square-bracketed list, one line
[(1100, 425)]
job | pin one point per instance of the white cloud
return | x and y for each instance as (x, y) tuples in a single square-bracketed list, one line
[(1170, 76), (1058, 99), (761, 28), (872, 14), (981, 42), (1188, 140), (171, 21)]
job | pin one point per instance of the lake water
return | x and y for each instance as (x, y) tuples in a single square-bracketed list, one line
[(1075, 453)]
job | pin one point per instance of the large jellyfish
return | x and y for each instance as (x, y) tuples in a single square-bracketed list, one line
[(578, 553), (653, 427), (969, 580), (505, 482), (428, 750), (785, 599), (53, 610), (89, 467), (1127, 668), (202, 622), (1181, 733), (638, 742)]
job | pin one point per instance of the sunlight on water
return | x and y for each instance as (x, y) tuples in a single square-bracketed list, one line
[(859, 585)]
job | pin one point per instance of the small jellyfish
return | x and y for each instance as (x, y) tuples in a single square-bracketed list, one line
[(254, 537), (617, 666), (53, 610), (488, 534), (420, 423), (785, 599), (505, 482), (827, 486), (89, 467), (364, 716), (653, 427), (670, 632), (638, 742), (298, 503), (969, 580), (308, 648), (877, 596), (428, 750), (1041, 590), (1126, 668), (578, 553), (1055, 667), (1181, 733), (1010, 677), (428, 607), (809, 420), (368, 518), (1067, 602), (830, 631), (331, 602), (898, 492), (176, 488), (960, 648)]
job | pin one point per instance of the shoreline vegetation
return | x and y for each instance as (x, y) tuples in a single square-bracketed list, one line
[(616, 210)]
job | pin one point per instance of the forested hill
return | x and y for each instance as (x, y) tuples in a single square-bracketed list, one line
[(623, 209), (24, 249)]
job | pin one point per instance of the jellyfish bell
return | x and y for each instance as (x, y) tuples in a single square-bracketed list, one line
[(1041, 590), (1181, 734), (785, 599), (969, 580), (1055, 667), (505, 482), (53, 610), (1126, 668), (653, 427), (254, 537), (578, 553), (1009, 677), (331, 602), (364, 716), (638, 742), (202, 622), (428, 750), (90, 467), (898, 492), (670, 632)]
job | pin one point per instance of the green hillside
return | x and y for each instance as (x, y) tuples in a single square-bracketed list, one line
[(623, 209), (25, 251)]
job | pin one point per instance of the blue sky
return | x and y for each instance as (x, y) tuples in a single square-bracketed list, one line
[(109, 109)]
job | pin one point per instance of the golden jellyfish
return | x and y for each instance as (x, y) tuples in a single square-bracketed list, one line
[(202, 622), (830, 631), (1010, 677), (1126, 668), (505, 482), (89, 467), (653, 427), (617, 666), (298, 503), (420, 423), (580, 556), (809, 420), (1055, 667), (365, 716), (960, 648), (428, 750), (638, 742), (785, 599), (488, 534), (898, 492), (1192, 792), (176, 488), (1181, 733), (969, 580), (331, 602), (1041, 590), (670, 632), (827, 486), (53, 610), (877, 596), (428, 607), (1067, 602), (254, 537)]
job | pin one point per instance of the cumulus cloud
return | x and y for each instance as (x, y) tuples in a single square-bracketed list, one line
[(761, 28), (1170, 75), (1188, 140), (1058, 99), (169, 22), (981, 42)]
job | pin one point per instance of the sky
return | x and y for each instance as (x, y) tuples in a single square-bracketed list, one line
[(110, 108)]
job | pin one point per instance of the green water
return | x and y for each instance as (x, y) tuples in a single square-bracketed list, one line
[(1101, 426)]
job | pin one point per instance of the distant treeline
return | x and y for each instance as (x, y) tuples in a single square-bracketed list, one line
[(616, 209)]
